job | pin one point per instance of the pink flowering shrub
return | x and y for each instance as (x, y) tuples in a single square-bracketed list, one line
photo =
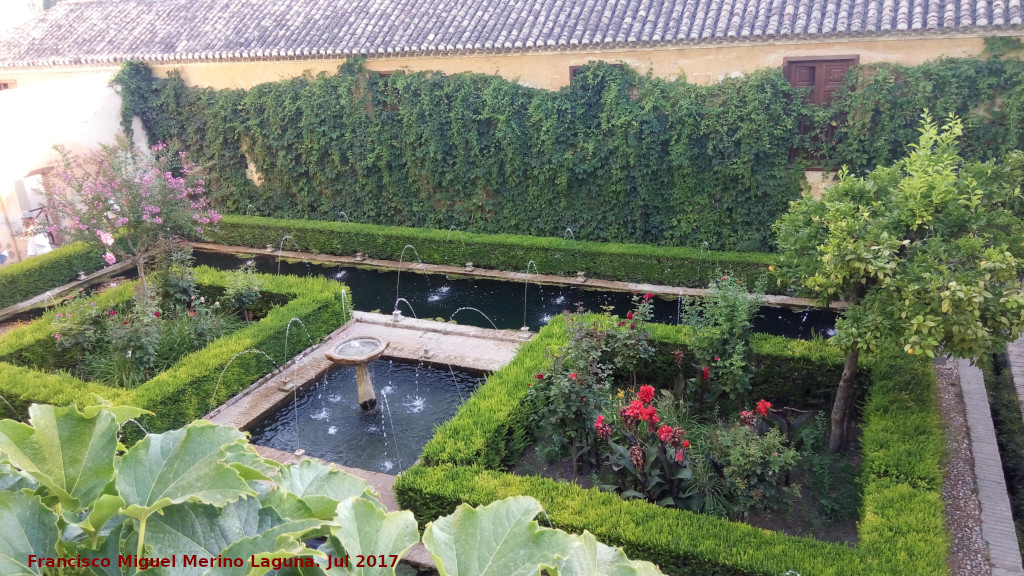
[(118, 192)]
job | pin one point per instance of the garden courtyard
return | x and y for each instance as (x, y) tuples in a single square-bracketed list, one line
[(213, 377)]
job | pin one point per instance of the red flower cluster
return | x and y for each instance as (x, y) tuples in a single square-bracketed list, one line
[(646, 393), (629, 315), (638, 412), (157, 314), (707, 372), (763, 406), (648, 296), (673, 436), (603, 430)]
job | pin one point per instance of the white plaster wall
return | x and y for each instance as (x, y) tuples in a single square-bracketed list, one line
[(79, 111)]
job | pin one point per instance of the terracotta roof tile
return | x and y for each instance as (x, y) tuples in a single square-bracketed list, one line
[(102, 31)]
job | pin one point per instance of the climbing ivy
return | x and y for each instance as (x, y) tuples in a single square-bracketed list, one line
[(615, 156)]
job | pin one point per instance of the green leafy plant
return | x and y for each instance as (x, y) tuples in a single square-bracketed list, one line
[(720, 349), (71, 493), (243, 288)]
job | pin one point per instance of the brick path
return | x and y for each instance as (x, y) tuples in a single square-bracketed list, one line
[(997, 527)]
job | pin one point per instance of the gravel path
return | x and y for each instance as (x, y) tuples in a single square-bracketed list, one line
[(968, 555)]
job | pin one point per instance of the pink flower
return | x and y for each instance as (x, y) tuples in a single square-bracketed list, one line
[(56, 336), (572, 376), (725, 277), (112, 312), (747, 417), (646, 393), (648, 296), (105, 237), (110, 258)]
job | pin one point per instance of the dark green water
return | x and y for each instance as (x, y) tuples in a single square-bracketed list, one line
[(438, 296)]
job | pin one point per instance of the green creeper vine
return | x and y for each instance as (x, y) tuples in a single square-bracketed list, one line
[(615, 156)]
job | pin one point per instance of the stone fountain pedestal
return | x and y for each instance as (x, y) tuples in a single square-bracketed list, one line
[(360, 351)]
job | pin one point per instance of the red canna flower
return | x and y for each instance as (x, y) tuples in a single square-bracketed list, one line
[(572, 376), (679, 455), (763, 406), (686, 444), (646, 393), (664, 433), (707, 372)]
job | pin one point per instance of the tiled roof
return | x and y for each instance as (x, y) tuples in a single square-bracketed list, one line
[(101, 31)]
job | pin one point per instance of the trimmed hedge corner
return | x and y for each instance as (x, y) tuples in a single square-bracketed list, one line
[(653, 264), (29, 278), (186, 391), (902, 527)]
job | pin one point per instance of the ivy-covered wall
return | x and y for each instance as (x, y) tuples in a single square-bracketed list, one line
[(616, 156)]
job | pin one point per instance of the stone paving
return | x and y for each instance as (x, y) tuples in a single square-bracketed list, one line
[(997, 527)]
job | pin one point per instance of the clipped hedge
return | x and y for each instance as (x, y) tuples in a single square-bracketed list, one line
[(185, 391), (29, 278), (902, 527), (639, 263)]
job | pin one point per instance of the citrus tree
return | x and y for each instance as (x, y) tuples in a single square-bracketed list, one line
[(926, 255), (120, 192)]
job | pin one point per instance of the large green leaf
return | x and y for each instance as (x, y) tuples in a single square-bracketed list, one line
[(592, 558), (71, 454), (11, 479), (282, 541), (322, 487), (27, 528), (179, 466), (204, 531), (364, 529), (500, 539)]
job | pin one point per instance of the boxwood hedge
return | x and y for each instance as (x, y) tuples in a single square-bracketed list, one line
[(29, 278), (185, 391), (558, 256)]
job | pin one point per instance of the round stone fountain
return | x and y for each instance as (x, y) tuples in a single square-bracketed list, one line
[(360, 351)]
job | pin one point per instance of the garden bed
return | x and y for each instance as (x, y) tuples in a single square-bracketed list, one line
[(900, 527), (195, 383)]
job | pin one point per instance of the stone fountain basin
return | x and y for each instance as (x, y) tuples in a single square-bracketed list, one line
[(357, 350)]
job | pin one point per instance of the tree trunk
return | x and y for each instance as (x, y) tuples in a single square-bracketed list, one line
[(140, 266), (844, 401)]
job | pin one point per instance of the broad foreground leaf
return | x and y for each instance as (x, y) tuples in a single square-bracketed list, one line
[(179, 466), (321, 487), (283, 542), (592, 558), (71, 454), (200, 530), (364, 529), (500, 539), (27, 527)]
